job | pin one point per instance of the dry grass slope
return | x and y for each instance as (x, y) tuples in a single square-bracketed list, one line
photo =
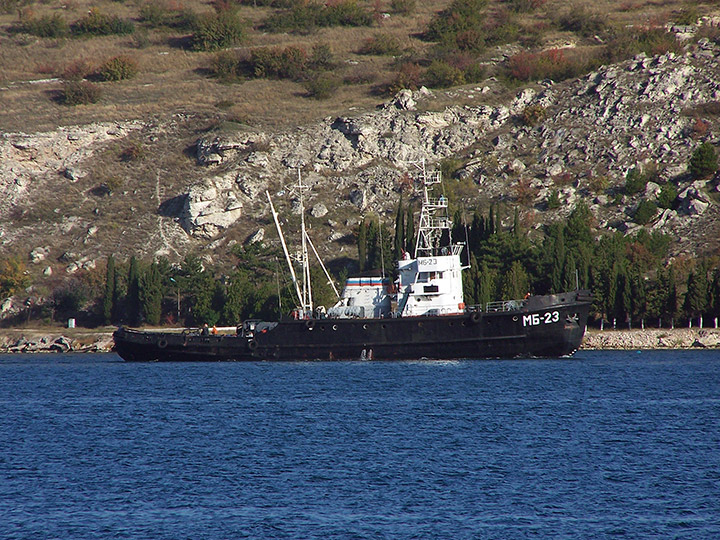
[(173, 78)]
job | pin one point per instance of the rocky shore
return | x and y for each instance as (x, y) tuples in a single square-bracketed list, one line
[(64, 340), (653, 338)]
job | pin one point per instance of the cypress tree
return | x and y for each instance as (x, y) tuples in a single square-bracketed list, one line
[(487, 285), (516, 224), (109, 296), (492, 222), (471, 281), (362, 244), (516, 283), (671, 300), (714, 296), (612, 284), (399, 242), (569, 274), (151, 294), (410, 231), (133, 292), (697, 293), (578, 231), (373, 246), (558, 261)]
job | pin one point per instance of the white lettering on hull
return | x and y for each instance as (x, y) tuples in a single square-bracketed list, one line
[(536, 319)]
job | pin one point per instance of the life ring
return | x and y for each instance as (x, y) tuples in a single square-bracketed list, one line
[(162, 343), (252, 345), (310, 324), (475, 317)]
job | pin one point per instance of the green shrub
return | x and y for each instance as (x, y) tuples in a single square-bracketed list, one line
[(688, 16), (501, 28), (47, 26), (76, 71), (532, 115), (703, 161), (133, 152), (403, 7), (460, 26), (269, 3), (225, 65), (450, 166), (525, 6), (321, 85), (440, 74), (635, 181), (582, 21), (667, 196), (646, 211), (217, 31), (381, 44), (154, 14), (321, 57), (80, 93), (118, 68), (408, 77), (96, 23), (553, 200), (281, 63), (8, 6), (308, 16), (629, 42)]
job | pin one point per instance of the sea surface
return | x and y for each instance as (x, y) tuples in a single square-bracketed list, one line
[(603, 445)]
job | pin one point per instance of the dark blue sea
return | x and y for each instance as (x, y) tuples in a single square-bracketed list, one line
[(604, 445)]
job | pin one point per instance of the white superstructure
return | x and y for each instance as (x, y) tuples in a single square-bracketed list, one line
[(428, 284)]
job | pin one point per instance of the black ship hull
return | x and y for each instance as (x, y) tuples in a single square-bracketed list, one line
[(543, 326)]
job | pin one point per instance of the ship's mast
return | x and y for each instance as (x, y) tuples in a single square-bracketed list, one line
[(434, 217), (307, 302), (304, 291)]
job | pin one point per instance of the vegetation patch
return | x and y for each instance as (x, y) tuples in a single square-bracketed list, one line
[(96, 23), (80, 93), (217, 31), (118, 68), (307, 16)]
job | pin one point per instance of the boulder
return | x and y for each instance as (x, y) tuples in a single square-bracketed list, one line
[(211, 206), (257, 236), (319, 210), (358, 198)]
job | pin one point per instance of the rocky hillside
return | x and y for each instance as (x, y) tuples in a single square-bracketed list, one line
[(150, 187)]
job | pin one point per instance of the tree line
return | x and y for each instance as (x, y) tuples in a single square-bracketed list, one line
[(632, 280)]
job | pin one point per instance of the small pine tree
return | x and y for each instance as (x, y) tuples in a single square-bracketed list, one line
[(703, 162), (110, 291)]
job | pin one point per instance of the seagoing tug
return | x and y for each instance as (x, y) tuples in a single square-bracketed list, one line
[(421, 314)]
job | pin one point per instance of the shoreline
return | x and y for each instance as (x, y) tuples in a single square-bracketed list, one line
[(652, 339), (83, 340)]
